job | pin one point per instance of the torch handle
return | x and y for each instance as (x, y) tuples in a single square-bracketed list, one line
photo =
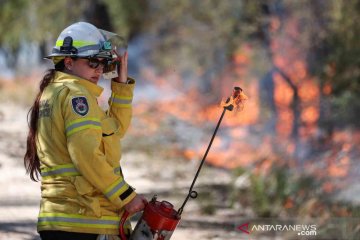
[(121, 225), (193, 194)]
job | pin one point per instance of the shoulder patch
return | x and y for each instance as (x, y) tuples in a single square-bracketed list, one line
[(80, 105)]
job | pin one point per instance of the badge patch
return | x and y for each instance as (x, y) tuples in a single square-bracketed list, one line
[(80, 105)]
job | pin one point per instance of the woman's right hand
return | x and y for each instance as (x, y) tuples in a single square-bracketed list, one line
[(122, 67), (136, 205)]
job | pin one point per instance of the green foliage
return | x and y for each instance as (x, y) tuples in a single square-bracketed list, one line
[(270, 192), (127, 16), (346, 107), (36, 21), (42, 21), (343, 40), (194, 35), (13, 16), (281, 192), (345, 61), (207, 203), (50, 18), (335, 58)]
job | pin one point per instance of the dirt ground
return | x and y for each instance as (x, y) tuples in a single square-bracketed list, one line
[(19, 196)]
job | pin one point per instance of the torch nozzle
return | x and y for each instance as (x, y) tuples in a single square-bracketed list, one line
[(236, 92)]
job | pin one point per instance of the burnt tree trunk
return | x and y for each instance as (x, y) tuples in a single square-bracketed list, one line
[(295, 105)]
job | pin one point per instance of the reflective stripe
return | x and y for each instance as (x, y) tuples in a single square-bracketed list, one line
[(116, 188), (94, 49), (77, 220), (81, 124), (68, 170), (78, 44), (60, 170), (120, 101)]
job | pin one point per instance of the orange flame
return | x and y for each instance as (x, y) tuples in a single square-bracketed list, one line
[(237, 101)]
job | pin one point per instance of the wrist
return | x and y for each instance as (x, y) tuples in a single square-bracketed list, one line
[(129, 80), (119, 80)]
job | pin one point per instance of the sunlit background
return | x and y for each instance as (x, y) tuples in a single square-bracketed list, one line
[(291, 153)]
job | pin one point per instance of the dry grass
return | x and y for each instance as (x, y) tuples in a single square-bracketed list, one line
[(20, 90)]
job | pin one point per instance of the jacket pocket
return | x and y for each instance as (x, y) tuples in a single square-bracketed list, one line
[(109, 127)]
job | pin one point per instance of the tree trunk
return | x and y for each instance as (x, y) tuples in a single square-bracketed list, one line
[(295, 106), (97, 13)]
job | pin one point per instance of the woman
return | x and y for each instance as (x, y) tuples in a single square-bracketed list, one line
[(75, 146)]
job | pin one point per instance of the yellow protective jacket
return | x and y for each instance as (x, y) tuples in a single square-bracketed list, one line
[(78, 144)]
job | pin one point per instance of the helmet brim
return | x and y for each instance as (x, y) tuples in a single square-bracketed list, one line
[(53, 56)]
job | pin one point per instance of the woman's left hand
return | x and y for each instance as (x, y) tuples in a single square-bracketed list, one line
[(136, 204)]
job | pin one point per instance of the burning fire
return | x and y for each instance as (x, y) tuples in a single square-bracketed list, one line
[(242, 139)]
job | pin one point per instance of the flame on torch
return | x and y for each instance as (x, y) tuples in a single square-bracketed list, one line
[(236, 100)]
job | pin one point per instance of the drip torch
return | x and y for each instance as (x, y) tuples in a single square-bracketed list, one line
[(160, 219)]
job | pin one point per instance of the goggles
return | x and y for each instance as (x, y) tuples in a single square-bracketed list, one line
[(95, 62)]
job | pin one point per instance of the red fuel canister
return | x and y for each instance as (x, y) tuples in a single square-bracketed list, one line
[(158, 222)]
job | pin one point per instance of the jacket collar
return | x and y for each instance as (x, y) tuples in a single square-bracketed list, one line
[(91, 87)]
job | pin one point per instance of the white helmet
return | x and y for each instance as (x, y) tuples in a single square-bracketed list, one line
[(81, 39)]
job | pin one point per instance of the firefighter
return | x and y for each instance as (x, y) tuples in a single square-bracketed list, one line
[(75, 145)]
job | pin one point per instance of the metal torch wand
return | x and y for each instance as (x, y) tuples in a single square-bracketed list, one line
[(229, 105)]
